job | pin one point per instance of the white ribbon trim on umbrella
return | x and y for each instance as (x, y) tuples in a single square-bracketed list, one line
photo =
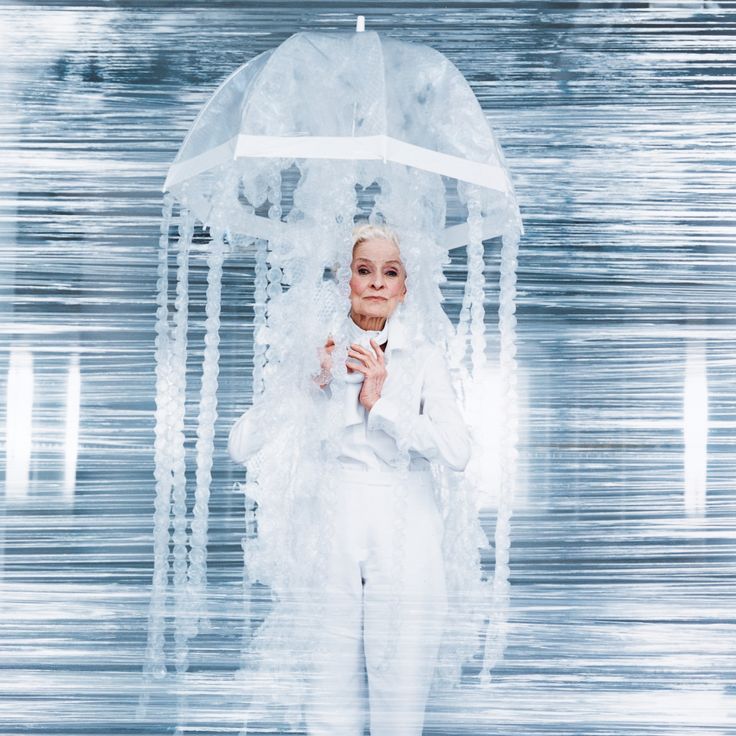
[(371, 147)]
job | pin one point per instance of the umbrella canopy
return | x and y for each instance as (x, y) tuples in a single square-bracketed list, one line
[(351, 97)]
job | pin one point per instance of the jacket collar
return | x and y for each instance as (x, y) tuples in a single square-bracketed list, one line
[(398, 337)]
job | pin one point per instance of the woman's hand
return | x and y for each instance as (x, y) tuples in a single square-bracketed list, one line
[(374, 370), (325, 375)]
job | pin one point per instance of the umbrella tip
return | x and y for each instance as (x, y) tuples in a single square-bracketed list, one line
[(360, 24)]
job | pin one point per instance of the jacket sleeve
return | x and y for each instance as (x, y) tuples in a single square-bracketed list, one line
[(245, 440), (438, 432)]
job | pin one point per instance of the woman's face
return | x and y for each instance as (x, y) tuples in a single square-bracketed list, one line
[(378, 283)]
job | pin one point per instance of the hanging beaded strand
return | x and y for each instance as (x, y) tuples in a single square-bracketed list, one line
[(260, 297), (476, 283), (463, 555), (496, 635), (154, 665), (178, 385), (206, 434), (155, 659)]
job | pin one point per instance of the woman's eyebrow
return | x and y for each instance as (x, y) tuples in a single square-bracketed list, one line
[(385, 263)]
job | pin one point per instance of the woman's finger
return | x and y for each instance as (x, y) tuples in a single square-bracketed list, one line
[(360, 368), (367, 358), (377, 349), (371, 367), (360, 348), (355, 366)]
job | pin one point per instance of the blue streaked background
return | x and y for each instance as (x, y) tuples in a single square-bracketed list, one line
[(618, 121)]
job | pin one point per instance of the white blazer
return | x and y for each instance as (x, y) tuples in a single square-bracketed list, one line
[(417, 411)]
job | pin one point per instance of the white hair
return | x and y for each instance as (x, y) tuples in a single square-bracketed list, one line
[(368, 231)]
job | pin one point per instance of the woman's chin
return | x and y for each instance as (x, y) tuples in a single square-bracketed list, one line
[(376, 309), (372, 309)]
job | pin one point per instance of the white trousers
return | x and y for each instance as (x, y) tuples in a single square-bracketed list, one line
[(354, 681)]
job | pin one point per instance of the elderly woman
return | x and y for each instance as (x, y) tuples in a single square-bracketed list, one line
[(386, 373)]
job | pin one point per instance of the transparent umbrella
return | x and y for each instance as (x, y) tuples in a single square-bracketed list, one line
[(292, 149), (352, 97)]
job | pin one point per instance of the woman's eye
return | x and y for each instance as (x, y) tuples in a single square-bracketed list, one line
[(363, 271), (392, 273)]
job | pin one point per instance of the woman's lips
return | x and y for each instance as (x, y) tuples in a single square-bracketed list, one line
[(380, 298)]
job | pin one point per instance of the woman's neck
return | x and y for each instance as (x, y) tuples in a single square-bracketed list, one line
[(366, 322)]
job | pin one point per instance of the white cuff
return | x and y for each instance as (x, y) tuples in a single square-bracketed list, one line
[(384, 414)]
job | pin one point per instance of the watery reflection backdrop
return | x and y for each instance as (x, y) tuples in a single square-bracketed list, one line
[(619, 126)]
